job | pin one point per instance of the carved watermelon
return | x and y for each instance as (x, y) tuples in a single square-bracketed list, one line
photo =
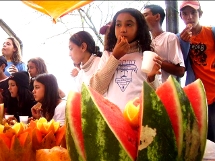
[(196, 94), (96, 130), (182, 118), (158, 142)]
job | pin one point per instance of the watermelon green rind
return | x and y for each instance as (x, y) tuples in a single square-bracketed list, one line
[(196, 94), (179, 105), (74, 136), (191, 138), (105, 131), (164, 146)]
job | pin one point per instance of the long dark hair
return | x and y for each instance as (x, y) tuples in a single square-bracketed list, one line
[(143, 35), (83, 36), (23, 104), (51, 95)]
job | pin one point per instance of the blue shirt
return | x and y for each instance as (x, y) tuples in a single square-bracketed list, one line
[(20, 66)]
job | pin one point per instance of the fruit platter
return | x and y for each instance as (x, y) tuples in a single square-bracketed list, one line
[(39, 140), (166, 124)]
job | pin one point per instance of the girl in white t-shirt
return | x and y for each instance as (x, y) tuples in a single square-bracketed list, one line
[(119, 77), (46, 92)]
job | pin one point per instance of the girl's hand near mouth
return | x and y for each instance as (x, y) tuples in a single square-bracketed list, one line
[(121, 48)]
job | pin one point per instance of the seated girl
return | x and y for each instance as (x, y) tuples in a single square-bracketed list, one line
[(46, 92), (21, 99)]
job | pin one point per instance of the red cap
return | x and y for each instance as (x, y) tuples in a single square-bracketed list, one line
[(104, 28), (193, 4)]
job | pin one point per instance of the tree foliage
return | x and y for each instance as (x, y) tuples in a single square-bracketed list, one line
[(94, 15)]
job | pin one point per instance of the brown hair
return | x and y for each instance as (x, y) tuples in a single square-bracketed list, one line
[(16, 57), (40, 65)]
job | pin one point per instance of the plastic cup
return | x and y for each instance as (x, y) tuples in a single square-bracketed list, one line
[(8, 116), (23, 119), (148, 63)]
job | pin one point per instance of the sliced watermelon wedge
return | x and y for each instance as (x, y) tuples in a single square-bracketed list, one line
[(97, 130), (182, 118), (158, 141), (107, 135), (196, 95), (74, 135), (168, 95)]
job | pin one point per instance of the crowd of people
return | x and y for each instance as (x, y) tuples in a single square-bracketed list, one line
[(116, 72)]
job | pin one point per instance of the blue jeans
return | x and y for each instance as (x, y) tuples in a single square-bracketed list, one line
[(211, 122)]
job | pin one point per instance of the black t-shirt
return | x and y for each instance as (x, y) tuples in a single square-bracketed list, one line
[(24, 110)]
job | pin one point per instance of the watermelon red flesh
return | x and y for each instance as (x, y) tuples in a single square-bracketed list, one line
[(173, 110), (191, 139), (74, 135), (196, 94), (116, 128)]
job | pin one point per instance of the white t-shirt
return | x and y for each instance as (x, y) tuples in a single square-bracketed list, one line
[(167, 46), (127, 82), (59, 113)]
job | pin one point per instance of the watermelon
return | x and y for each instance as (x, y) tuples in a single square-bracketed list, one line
[(182, 118), (196, 95), (172, 125), (74, 135), (103, 135), (158, 142)]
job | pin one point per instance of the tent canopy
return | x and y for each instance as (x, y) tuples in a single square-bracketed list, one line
[(56, 9)]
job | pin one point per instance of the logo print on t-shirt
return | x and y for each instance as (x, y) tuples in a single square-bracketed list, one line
[(197, 54), (124, 73)]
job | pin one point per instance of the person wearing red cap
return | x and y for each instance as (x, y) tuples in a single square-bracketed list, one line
[(198, 48)]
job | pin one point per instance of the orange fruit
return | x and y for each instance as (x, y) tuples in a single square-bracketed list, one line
[(1, 128), (56, 126), (45, 127), (131, 112), (41, 125), (18, 128)]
